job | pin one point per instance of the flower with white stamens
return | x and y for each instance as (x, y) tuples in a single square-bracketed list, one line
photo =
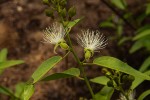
[(91, 41), (55, 35)]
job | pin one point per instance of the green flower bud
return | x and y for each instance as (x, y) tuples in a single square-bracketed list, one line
[(46, 2), (63, 3), (108, 75), (131, 78), (63, 13), (64, 45), (72, 12), (104, 70), (49, 13), (88, 54), (125, 78), (116, 79), (110, 83)]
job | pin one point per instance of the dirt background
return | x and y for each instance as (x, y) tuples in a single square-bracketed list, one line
[(21, 25)]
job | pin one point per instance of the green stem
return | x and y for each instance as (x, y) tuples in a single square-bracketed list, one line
[(81, 67)]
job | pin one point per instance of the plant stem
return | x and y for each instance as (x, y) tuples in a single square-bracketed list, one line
[(81, 67)]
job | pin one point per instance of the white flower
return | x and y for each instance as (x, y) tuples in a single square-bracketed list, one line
[(130, 96), (54, 34), (92, 40)]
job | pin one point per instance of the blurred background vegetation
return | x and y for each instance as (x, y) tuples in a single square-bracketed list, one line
[(126, 24)]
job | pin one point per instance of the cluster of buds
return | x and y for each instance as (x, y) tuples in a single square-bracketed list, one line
[(91, 41), (58, 8), (119, 81)]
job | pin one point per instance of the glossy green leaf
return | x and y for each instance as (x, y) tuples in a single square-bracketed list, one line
[(28, 91), (72, 72), (138, 80), (106, 24), (142, 34), (116, 64), (145, 65), (105, 93), (45, 67), (100, 80), (119, 3), (144, 94), (143, 42), (9, 63), (148, 9), (3, 55)]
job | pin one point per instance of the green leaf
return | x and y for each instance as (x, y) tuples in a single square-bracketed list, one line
[(3, 55), (45, 67), (72, 12), (105, 93), (141, 29), (73, 23), (119, 30), (143, 42), (124, 39), (142, 34), (144, 94), (72, 72), (116, 64), (148, 9), (28, 91), (107, 24), (10, 63), (121, 4), (19, 89), (145, 65), (138, 80), (6, 91), (100, 80), (140, 18)]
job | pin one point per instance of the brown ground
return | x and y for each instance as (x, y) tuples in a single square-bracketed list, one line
[(21, 25)]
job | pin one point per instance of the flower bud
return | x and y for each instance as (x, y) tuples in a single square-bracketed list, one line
[(116, 79), (63, 3), (88, 54), (46, 2), (131, 78), (104, 70), (63, 13), (64, 45), (49, 13), (72, 12), (110, 83)]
